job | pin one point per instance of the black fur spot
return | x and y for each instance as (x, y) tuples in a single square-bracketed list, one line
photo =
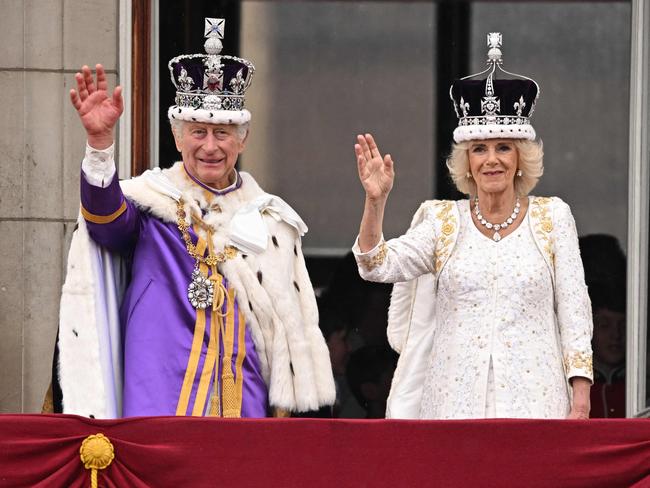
[(193, 119), (244, 256), (76, 334), (179, 110), (259, 277), (296, 286), (275, 241), (210, 114), (91, 416), (291, 368), (173, 116), (76, 226), (250, 305), (295, 250)]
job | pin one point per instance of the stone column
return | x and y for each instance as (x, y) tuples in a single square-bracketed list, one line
[(42, 44)]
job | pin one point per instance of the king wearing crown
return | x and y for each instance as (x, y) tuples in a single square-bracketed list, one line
[(186, 291)]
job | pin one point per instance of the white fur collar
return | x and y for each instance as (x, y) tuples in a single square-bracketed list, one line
[(163, 206), (239, 212)]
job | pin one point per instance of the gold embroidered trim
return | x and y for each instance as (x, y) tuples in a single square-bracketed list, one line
[(103, 219), (543, 224), (445, 241), (371, 262), (581, 361)]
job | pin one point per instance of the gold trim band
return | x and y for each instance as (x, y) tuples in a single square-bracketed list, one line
[(195, 352), (103, 219)]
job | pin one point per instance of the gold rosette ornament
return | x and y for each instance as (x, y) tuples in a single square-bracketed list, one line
[(96, 452)]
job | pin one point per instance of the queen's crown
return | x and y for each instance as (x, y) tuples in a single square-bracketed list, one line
[(489, 108)]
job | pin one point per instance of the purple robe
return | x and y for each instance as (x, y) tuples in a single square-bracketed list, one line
[(163, 360)]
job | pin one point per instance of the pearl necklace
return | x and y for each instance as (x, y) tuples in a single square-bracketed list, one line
[(496, 227)]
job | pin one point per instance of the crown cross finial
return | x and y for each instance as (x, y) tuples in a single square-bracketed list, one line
[(214, 27), (494, 42), (494, 39), (214, 31)]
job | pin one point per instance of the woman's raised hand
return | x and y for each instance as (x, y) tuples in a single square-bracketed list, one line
[(376, 173), (98, 112)]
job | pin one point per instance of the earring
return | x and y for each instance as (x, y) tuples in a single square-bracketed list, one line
[(520, 173), (468, 175)]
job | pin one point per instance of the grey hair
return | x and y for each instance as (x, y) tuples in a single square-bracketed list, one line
[(178, 125), (530, 162)]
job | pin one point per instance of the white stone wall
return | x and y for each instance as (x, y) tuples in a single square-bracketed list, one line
[(42, 44)]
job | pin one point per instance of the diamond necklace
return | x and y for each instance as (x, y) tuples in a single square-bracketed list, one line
[(496, 227)]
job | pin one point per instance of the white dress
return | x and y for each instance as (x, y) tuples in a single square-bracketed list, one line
[(510, 321), (494, 306)]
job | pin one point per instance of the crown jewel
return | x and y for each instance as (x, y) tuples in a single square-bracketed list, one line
[(489, 108), (210, 87)]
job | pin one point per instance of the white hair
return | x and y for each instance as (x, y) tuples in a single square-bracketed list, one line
[(530, 162), (178, 125)]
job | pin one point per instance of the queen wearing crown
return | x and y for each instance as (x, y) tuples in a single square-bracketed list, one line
[(217, 315), (489, 312)]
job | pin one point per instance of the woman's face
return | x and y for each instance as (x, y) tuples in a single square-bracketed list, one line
[(493, 164)]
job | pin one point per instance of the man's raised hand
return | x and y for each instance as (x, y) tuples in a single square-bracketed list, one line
[(98, 112)]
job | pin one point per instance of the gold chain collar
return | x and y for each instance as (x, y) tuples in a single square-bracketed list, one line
[(229, 252)]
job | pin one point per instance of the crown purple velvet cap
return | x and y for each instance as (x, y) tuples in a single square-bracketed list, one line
[(210, 87), (491, 108)]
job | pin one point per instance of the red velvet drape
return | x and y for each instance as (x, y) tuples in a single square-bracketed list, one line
[(43, 451)]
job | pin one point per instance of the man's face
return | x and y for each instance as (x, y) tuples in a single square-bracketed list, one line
[(210, 151)]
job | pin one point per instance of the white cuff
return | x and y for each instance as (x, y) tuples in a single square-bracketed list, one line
[(579, 364), (371, 259), (356, 250), (98, 165)]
